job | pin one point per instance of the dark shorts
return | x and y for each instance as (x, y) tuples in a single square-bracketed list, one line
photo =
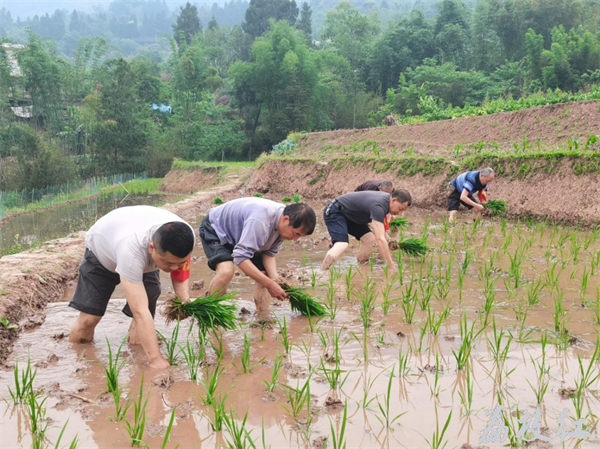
[(339, 226), (454, 201), (96, 284), (216, 251)]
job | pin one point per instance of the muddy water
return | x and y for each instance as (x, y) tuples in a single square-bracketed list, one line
[(49, 224), (75, 383)]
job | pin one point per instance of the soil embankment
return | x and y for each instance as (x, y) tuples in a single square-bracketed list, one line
[(189, 180), (564, 189), (31, 279), (552, 125)]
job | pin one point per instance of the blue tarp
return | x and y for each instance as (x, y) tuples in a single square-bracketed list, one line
[(162, 108)]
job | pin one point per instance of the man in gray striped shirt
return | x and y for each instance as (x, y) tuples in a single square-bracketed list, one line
[(248, 233)]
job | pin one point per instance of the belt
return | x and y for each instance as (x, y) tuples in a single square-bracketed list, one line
[(332, 203)]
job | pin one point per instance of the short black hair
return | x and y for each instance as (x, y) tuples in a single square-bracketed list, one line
[(175, 237), (301, 216), (403, 196)]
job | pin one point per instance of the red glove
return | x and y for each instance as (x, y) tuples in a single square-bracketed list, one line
[(483, 196), (386, 224), (183, 273)]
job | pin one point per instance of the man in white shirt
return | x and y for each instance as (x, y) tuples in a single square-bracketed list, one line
[(129, 245)]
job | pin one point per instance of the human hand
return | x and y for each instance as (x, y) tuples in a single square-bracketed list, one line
[(276, 291)]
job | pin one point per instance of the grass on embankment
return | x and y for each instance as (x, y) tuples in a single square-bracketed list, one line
[(136, 187)]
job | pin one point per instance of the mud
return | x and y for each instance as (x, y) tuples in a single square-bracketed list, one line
[(189, 181), (32, 279), (552, 124), (75, 383)]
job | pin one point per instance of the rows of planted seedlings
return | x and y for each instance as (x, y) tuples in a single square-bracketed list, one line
[(483, 315)]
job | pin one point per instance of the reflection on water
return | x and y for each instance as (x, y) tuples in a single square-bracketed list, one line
[(60, 221)]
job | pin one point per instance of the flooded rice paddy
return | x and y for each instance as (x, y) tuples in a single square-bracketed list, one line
[(496, 311)]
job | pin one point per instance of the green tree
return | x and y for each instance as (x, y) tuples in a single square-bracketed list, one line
[(534, 47), (452, 33), (487, 47), (187, 24), (305, 22), (259, 13)]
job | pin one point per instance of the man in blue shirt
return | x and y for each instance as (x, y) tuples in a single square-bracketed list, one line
[(463, 188)]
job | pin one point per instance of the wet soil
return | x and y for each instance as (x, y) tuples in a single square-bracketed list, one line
[(75, 383), (552, 124)]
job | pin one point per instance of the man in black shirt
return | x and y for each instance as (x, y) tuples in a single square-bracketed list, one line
[(376, 186), (352, 213)]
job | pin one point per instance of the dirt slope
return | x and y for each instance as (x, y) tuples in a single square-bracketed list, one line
[(552, 124)]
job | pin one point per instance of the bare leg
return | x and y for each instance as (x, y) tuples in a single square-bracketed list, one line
[(222, 278), (133, 338), (83, 329), (333, 254), (262, 299), (366, 247), (452, 216)]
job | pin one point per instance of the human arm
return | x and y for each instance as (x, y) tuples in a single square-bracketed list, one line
[(382, 244), (270, 264), (182, 289), (464, 197), (137, 299), (250, 270)]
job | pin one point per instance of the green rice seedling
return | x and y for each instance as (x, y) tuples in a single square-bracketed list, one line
[(596, 308), (437, 439), (514, 270), (386, 291), (552, 277), (338, 440), (496, 207), (209, 311), (217, 343), (219, 413), (398, 223), (336, 338), (367, 302), (259, 195), (368, 383), (403, 362), (171, 344), (210, 384), (193, 358), (503, 223), (409, 307), (284, 337), (425, 230), (286, 199), (277, 367), (218, 200), (6, 324), (591, 237), (562, 339), (348, 277), (463, 355), (245, 360), (559, 310), (297, 397), (426, 294), (303, 302), (136, 429), (584, 285), (590, 374), (334, 376), (36, 411), (461, 284), (490, 297), (513, 427), (435, 390), (113, 368), (414, 247), (434, 322), (594, 263), (23, 383), (534, 291), (240, 436), (576, 246), (542, 373), (466, 399), (167, 436), (331, 305), (499, 353), (296, 198), (387, 419)]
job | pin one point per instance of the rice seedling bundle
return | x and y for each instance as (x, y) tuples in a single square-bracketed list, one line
[(303, 302), (413, 247), (210, 311), (497, 207), (398, 223)]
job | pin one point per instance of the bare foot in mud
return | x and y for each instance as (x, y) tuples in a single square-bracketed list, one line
[(327, 262)]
